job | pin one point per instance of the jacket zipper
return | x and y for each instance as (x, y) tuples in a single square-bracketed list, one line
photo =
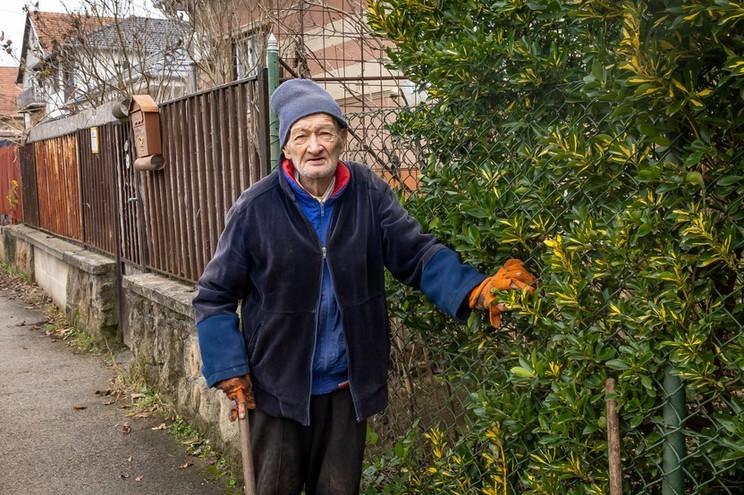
[(317, 307)]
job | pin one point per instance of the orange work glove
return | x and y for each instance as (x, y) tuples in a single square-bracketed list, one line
[(239, 389), (513, 275)]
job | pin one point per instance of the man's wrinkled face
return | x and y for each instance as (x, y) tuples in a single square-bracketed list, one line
[(314, 145)]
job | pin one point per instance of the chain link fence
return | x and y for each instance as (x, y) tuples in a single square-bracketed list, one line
[(523, 409)]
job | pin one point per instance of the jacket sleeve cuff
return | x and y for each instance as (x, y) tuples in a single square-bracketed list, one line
[(222, 348), (447, 282)]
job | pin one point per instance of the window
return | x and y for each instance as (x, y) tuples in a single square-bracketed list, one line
[(69, 83), (249, 53)]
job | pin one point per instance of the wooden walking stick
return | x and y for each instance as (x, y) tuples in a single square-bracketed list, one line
[(246, 451), (613, 440)]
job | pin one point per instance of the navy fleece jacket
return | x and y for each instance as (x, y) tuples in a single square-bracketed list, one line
[(270, 257)]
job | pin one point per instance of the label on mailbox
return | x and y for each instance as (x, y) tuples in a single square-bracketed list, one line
[(138, 125)]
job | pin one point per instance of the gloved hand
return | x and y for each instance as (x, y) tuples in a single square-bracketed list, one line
[(239, 389), (513, 275)]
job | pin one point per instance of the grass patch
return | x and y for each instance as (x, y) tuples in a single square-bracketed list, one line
[(14, 273)]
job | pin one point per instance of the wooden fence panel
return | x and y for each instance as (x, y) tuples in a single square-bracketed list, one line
[(11, 203)]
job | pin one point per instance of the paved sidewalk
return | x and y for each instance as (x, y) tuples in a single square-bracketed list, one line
[(57, 436)]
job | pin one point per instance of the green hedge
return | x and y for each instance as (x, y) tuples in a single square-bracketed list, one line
[(603, 142)]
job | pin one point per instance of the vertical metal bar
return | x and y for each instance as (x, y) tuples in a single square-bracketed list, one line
[(162, 208), (242, 127), (235, 110), (200, 216), (674, 440), (204, 184), (211, 170), (228, 137), (272, 64), (191, 237), (197, 178), (262, 124), (222, 168), (613, 440), (181, 207)]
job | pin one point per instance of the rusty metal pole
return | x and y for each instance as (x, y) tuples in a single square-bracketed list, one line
[(272, 64), (613, 440)]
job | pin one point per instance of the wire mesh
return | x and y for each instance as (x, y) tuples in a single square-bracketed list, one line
[(445, 428)]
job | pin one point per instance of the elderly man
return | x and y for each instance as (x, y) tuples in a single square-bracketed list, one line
[(305, 250)]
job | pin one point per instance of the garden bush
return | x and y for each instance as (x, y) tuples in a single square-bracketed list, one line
[(603, 143)]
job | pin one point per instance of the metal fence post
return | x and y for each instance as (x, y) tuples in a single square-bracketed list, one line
[(272, 63), (674, 440)]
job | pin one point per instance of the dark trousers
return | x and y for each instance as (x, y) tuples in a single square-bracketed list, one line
[(324, 458)]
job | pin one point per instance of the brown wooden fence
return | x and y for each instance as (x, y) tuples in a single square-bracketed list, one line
[(215, 145), (57, 176), (11, 205)]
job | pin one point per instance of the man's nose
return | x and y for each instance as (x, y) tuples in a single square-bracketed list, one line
[(313, 144)]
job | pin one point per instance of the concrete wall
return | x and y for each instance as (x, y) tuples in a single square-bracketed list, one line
[(80, 282), (51, 274), (150, 315)]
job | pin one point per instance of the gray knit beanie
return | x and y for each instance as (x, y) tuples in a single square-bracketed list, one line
[(298, 98)]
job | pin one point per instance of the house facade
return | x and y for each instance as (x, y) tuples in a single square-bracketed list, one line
[(328, 41), (71, 61)]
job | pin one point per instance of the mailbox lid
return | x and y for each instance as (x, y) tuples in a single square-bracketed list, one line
[(144, 103)]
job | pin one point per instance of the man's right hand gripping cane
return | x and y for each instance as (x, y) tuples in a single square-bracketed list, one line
[(513, 275), (239, 389)]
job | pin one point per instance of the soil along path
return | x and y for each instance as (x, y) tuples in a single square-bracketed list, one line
[(59, 431)]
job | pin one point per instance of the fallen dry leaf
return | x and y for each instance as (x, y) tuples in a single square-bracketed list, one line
[(161, 426), (139, 478), (185, 465), (123, 476), (109, 402), (124, 428), (129, 459), (79, 408)]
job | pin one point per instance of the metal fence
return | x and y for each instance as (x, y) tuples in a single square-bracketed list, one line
[(214, 149), (166, 220), (11, 204)]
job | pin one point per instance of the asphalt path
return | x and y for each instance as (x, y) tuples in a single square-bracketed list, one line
[(58, 436)]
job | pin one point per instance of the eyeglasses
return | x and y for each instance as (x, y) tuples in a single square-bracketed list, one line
[(324, 136)]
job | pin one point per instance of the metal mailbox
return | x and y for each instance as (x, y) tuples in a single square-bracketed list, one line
[(145, 118)]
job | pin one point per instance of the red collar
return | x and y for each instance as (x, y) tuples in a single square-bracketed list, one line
[(343, 175)]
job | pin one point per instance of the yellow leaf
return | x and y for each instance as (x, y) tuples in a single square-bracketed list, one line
[(696, 103), (679, 85)]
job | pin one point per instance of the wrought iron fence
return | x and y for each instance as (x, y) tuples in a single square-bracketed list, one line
[(165, 220), (214, 149)]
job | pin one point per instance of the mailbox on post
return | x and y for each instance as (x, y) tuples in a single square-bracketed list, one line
[(145, 119)]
